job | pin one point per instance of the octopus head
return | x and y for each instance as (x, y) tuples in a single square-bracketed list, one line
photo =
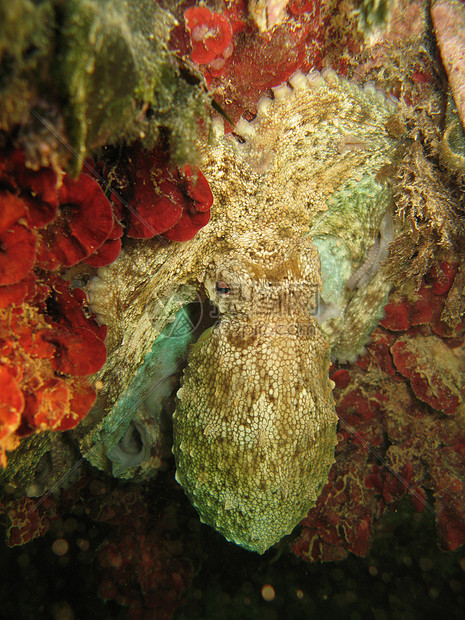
[(255, 427)]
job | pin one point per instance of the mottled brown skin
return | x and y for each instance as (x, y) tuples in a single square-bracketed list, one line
[(255, 426)]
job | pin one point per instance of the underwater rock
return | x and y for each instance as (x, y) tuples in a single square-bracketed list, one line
[(26, 47), (448, 18), (44, 463), (94, 72), (401, 430), (296, 193)]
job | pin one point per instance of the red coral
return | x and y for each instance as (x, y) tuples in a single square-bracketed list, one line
[(210, 34), (142, 565), (314, 35), (450, 510), (110, 249), (153, 210), (82, 398), (46, 341), (427, 306), (67, 309), (37, 189), (236, 12), (341, 378), (396, 316), (37, 356), (17, 242), (143, 571), (28, 520), (434, 372), (79, 353), (35, 342), (447, 470), (47, 404), (397, 482), (11, 405), (16, 294), (166, 200), (388, 403), (441, 277), (197, 199), (12, 210), (83, 224), (342, 518), (298, 7), (451, 520), (58, 405), (378, 353)]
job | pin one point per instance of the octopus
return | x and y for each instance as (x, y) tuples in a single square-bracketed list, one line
[(288, 275)]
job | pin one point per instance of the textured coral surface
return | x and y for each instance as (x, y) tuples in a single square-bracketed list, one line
[(49, 343)]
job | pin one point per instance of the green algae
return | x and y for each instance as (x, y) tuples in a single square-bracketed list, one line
[(101, 69)]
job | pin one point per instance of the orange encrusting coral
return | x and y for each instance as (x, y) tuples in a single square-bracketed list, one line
[(36, 393), (48, 346)]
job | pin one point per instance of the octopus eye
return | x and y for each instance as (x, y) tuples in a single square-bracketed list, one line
[(222, 288)]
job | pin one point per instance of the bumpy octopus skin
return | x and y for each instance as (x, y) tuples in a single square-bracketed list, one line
[(296, 196)]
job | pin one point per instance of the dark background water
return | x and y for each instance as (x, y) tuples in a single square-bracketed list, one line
[(404, 576)]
